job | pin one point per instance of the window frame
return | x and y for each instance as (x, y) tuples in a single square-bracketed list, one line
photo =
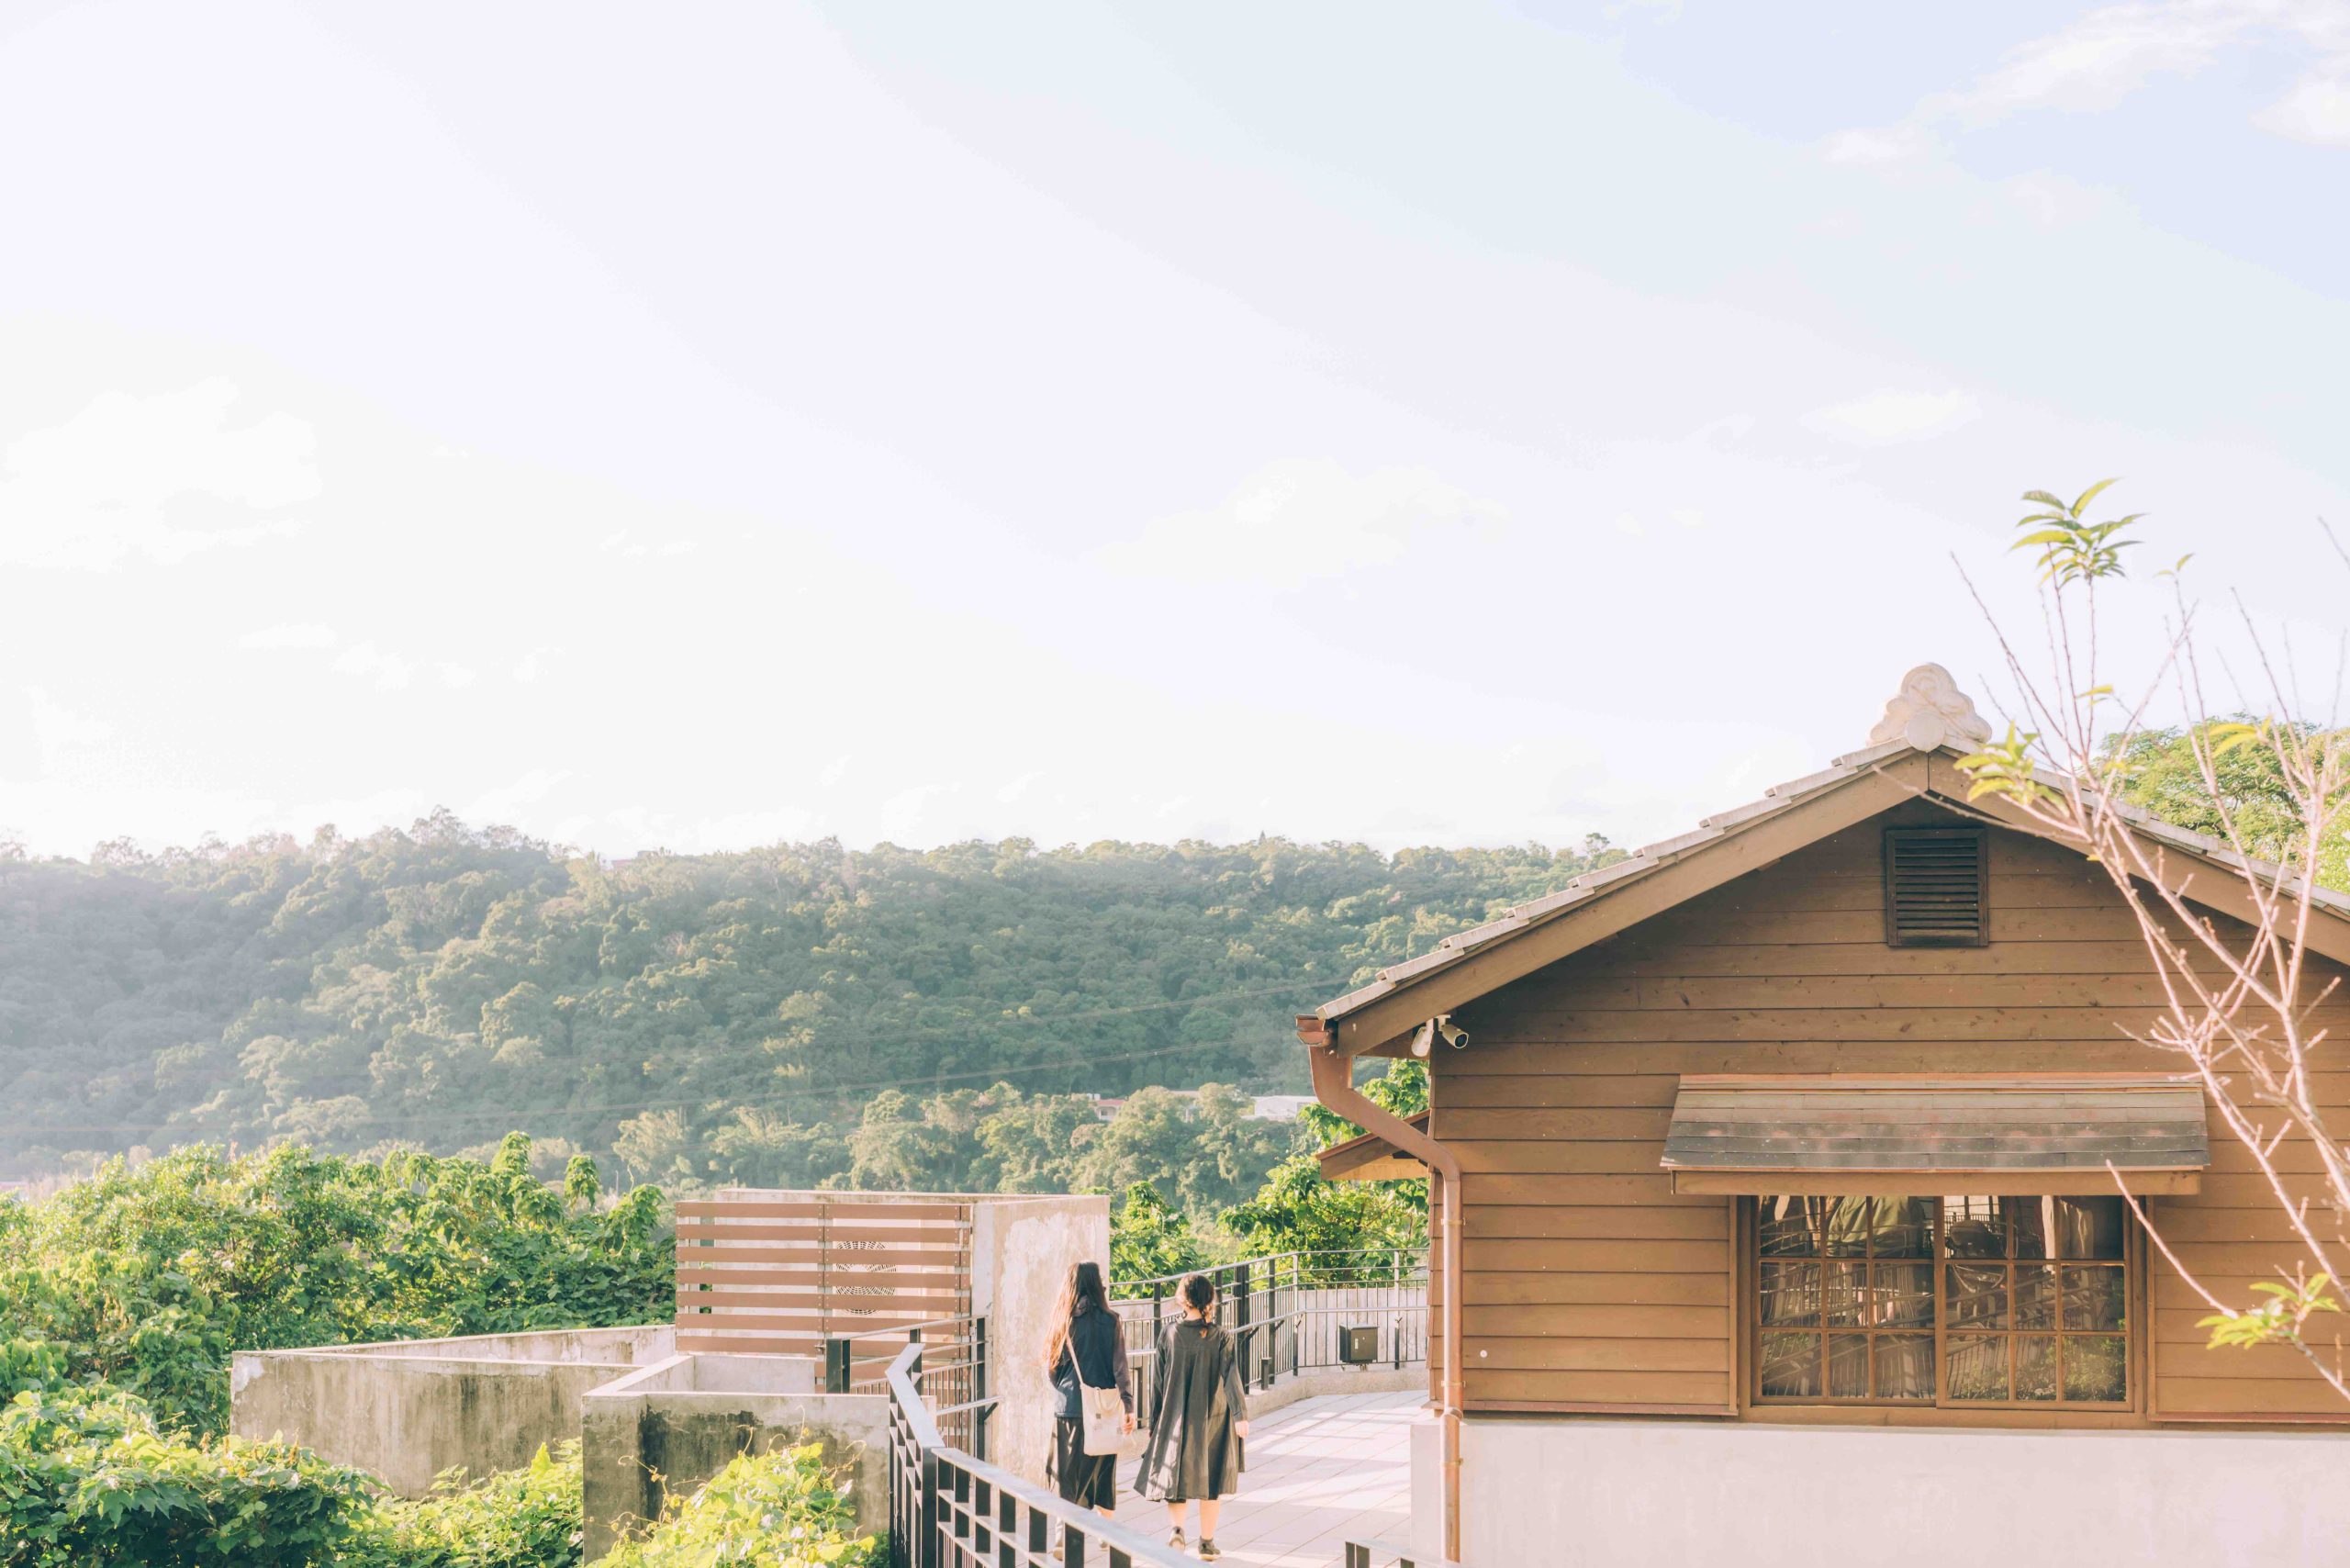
[(2136, 1298)]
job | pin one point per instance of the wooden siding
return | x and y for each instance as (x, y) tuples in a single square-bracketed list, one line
[(1591, 1286)]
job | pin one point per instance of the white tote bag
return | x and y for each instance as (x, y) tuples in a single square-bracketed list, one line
[(1105, 1425), (1102, 1417)]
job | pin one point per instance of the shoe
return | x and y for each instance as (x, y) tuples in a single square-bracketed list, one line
[(1209, 1550), (1176, 1539)]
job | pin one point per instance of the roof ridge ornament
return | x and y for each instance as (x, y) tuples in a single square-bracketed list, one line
[(1929, 710)]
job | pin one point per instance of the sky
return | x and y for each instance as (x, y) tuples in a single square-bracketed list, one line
[(694, 426)]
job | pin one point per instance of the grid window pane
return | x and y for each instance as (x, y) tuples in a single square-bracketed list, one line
[(1846, 1294), (2097, 1368), (2090, 1227), (2094, 1298), (1976, 1368), (2035, 1296), (2028, 1223), (1904, 1295), (1847, 1366), (1790, 1294), (1791, 1366), (1845, 1232), (1905, 1366), (1974, 1227), (1976, 1296), (2036, 1366), (1904, 1228), (1791, 1226)]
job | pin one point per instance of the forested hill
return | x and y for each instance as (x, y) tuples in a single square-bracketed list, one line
[(437, 987)]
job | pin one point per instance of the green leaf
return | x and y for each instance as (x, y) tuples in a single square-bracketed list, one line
[(2091, 493)]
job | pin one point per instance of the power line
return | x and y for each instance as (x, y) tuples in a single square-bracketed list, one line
[(796, 1096)]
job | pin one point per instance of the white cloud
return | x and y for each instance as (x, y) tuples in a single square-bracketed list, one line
[(389, 670), (2052, 201), (1880, 147), (306, 634), (2104, 57), (2316, 110), (116, 481), (458, 675), (1882, 418), (2095, 62), (1296, 521), (530, 666)]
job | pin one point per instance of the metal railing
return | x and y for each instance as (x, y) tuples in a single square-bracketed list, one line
[(952, 1378), (1290, 1313), (951, 1509)]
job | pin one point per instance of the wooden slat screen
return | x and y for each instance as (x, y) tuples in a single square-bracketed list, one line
[(1936, 883), (782, 1276)]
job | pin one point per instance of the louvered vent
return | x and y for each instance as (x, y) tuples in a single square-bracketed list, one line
[(1936, 887)]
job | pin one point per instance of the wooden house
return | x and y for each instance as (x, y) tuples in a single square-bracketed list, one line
[(1777, 1178)]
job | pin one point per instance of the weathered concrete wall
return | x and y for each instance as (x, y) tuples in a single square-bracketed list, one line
[(1021, 1252), (407, 1410), (1584, 1494), (665, 1430)]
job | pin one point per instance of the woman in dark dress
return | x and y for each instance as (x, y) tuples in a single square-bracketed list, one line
[(1198, 1424), (1086, 1348)]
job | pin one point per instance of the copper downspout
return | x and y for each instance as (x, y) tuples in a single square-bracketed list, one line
[(1334, 1086)]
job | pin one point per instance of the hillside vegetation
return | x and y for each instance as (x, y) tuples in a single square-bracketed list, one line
[(696, 1019)]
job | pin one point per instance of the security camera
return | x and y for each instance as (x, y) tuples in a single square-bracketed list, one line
[(1422, 1037), (1454, 1035)]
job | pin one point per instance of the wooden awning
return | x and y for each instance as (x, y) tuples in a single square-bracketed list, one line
[(1937, 1135), (1369, 1157)]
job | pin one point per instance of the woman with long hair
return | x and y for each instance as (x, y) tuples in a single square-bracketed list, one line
[(1200, 1422), (1085, 1349)]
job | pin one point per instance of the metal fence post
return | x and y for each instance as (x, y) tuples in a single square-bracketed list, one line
[(981, 1412), (1395, 1319), (836, 1364), (1240, 1316)]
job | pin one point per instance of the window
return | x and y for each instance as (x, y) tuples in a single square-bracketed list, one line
[(1937, 887), (1963, 1301)]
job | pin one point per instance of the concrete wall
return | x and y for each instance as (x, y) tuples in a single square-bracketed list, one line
[(1021, 1249), (665, 1430), (407, 1410), (1584, 1494)]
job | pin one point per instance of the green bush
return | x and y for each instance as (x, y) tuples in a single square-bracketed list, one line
[(770, 1508), (521, 1518), (87, 1477), (149, 1278)]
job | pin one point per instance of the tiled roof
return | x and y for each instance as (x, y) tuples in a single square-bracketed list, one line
[(1714, 829)]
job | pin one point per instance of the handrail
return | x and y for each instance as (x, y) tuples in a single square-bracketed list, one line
[(1411, 1257), (949, 1508)]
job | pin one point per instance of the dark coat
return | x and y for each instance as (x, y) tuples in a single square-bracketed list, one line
[(1095, 1350), (1193, 1450)]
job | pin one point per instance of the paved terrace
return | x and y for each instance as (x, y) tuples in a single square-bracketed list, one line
[(1320, 1470)]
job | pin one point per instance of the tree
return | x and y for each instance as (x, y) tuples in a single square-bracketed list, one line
[(1148, 1240), (2269, 792), (1297, 1210)]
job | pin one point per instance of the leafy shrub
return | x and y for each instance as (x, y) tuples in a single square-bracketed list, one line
[(151, 1278), (520, 1518), (87, 1477), (780, 1507)]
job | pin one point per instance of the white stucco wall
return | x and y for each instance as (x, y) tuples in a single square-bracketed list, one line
[(1020, 1252), (1668, 1495)]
